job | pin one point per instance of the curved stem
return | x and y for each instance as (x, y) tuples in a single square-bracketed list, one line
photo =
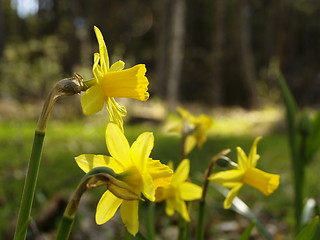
[(65, 228), (65, 87), (202, 203), (96, 177)]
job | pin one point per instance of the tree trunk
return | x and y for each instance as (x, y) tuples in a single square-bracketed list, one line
[(1, 28), (216, 55), (176, 50), (242, 37), (282, 34), (161, 28)]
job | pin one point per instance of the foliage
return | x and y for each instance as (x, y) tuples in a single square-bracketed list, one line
[(28, 68), (58, 160), (285, 31)]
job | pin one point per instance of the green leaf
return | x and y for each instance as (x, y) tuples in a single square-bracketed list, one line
[(247, 232), (241, 208), (291, 115), (314, 139), (309, 230)]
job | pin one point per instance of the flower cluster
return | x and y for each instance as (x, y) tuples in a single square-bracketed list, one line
[(132, 164)]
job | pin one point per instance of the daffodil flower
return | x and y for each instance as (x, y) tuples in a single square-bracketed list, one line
[(194, 128), (112, 82), (134, 167), (179, 191), (246, 173)]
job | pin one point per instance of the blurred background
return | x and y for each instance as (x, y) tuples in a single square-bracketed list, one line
[(215, 56), (210, 51)]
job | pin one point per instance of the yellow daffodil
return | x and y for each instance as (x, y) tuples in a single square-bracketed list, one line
[(111, 82), (246, 173), (194, 128), (134, 167), (179, 191)]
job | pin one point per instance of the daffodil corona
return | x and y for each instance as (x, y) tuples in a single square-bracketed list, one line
[(179, 191), (246, 173), (113, 82), (134, 167)]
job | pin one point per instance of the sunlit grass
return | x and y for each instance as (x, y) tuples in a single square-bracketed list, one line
[(64, 140)]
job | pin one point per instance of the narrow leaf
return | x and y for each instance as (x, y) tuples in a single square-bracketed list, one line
[(247, 232), (241, 208), (309, 230)]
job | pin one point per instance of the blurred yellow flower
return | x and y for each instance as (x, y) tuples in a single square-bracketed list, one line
[(193, 128), (111, 82), (246, 173), (179, 191), (134, 167)]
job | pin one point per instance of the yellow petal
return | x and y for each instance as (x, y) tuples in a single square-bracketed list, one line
[(96, 68), (118, 145), (184, 113), (225, 177), (174, 128), (189, 191), (129, 83), (204, 124), (141, 149), (117, 66), (243, 162), (107, 207), (181, 208), (148, 187), (263, 181), (205, 121), (170, 206), (116, 111), (129, 216), (89, 161), (182, 172), (161, 174), (231, 195), (163, 193), (104, 59), (92, 100), (190, 143), (253, 156)]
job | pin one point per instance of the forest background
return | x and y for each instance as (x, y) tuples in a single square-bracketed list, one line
[(212, 54), (210, 51)]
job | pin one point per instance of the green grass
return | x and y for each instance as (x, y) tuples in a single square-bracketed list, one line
[(59, 173)]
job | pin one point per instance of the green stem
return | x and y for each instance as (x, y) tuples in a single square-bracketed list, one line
[(187, 234), (202, 203), (182, 229), (96, 177), (29, 187), (201, 217), (297, 163), (64, 87), (150, 221), (139, 236), (183, 146), (65, 228)]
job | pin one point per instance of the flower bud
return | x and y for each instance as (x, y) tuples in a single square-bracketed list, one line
[(225, 162)]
